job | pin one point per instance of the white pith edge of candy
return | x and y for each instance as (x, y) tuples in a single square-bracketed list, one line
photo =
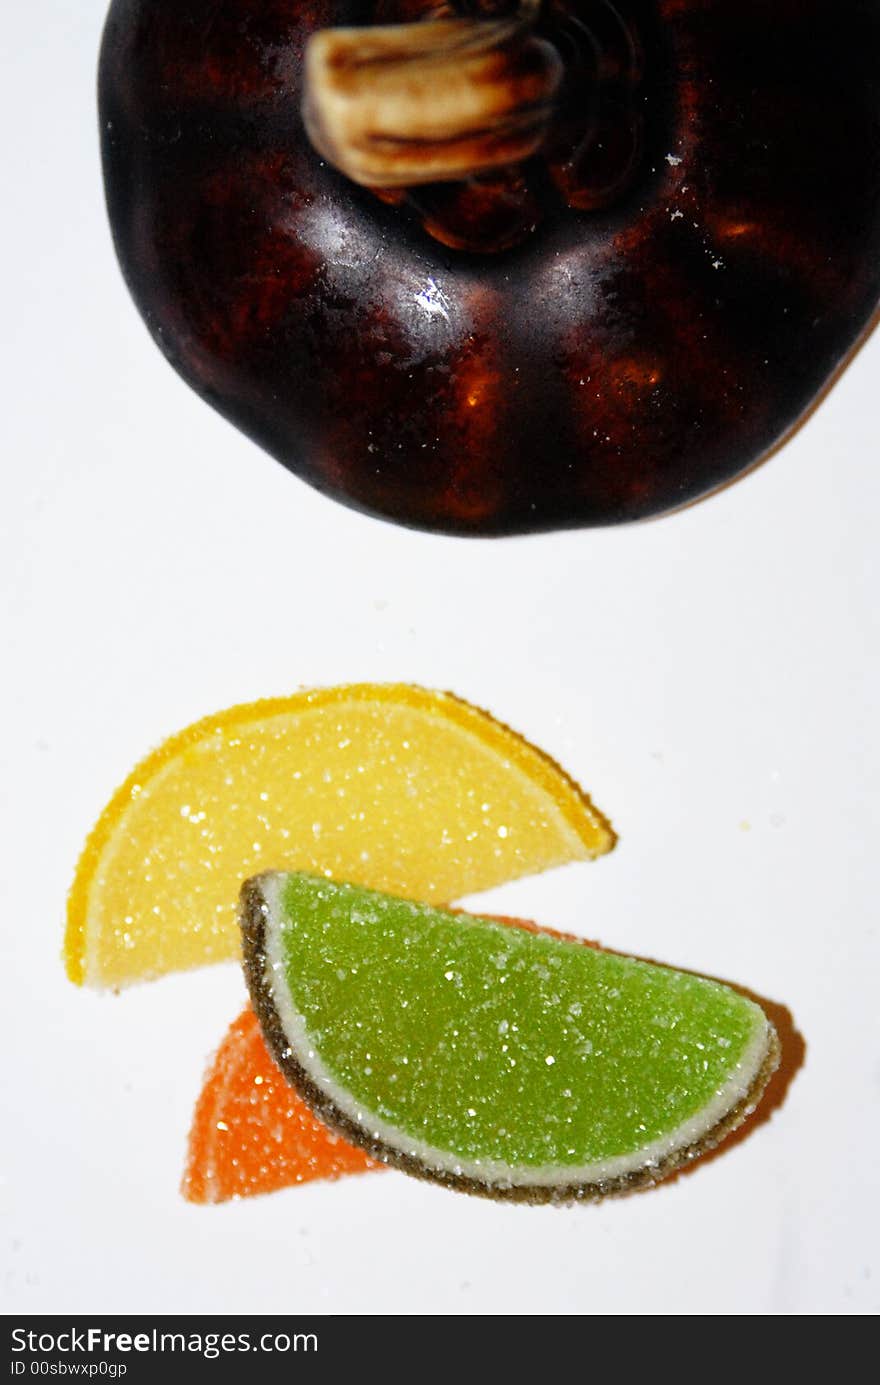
[(494, 1173)]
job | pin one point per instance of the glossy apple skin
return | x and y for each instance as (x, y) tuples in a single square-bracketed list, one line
[(616, 365)]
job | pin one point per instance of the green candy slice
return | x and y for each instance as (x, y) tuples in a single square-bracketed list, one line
[(491, 1058)]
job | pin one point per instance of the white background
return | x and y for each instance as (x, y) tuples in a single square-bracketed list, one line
[(711, 678)]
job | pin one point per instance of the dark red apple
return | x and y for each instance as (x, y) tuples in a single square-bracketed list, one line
[(648, 299)]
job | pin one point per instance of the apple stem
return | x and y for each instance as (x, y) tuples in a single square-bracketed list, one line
[(440, 100)]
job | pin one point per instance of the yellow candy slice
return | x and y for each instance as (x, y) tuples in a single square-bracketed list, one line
[(413, 792)]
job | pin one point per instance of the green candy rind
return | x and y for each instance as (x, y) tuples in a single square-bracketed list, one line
[(487, 1056)]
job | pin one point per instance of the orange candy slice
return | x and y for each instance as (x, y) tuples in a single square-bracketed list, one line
[(251, 1133)]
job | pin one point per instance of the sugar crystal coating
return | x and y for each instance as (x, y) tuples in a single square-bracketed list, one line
[(252, 1133), (392, 786), (488, 1053)]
